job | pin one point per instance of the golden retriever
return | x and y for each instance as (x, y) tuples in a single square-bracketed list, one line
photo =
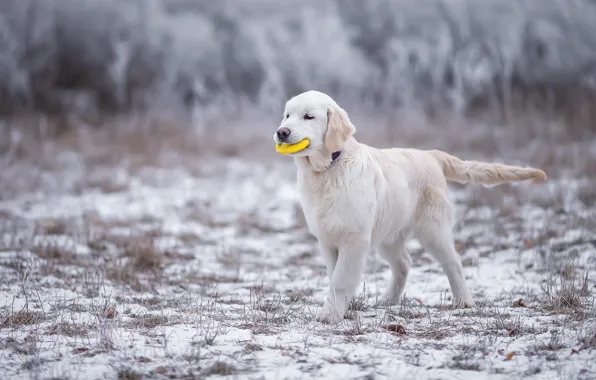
[(357, 198)]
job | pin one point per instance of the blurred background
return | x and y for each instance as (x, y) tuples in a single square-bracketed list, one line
[(490, 79)]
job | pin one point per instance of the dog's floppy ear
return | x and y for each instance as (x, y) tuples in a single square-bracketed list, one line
[(339, 129)]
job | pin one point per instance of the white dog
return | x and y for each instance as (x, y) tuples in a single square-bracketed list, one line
[(357, 198)]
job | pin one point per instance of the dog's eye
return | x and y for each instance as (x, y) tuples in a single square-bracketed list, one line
[(287, 116), (308, 116)]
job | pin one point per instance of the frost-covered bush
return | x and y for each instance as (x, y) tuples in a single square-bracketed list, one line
[(118, 55)]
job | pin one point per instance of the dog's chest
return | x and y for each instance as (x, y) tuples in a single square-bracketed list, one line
[(332, 204)]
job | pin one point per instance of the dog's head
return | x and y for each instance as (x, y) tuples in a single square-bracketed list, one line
[(314, 116)]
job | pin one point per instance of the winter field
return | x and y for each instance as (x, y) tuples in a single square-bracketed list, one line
[(156, 255), (149, 230)]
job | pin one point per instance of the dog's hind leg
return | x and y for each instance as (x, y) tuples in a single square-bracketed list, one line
[(434, 231)]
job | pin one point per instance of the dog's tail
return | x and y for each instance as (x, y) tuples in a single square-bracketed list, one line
[(484, 173)]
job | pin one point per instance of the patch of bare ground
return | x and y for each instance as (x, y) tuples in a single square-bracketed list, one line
[(219, 368), (129, 374), (205, 279), (139, 262), (150, 321), (554, 343), (267, 314), (55, 252)]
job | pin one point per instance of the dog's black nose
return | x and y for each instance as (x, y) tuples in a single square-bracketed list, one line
[(283, 133)]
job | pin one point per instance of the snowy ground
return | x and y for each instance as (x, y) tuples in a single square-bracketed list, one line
[(204, 268)]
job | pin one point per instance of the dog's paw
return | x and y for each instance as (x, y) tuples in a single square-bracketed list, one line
[(390, 299), (328, 315), (464, 303)]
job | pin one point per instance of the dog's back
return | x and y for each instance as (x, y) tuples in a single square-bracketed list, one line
[(414, 183), (424, 164)]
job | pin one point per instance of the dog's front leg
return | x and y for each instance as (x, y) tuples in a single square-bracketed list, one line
[(329, 254), (344, 280)]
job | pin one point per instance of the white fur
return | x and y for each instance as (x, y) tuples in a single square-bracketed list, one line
[(373, 199)]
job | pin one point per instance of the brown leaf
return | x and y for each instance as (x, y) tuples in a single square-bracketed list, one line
[(396, 328), (510, 355), (53, 227), (574, 351), (528, 244), (459, 246), (80, 350), (143, 359), (419, 301), (110, 312), (519, 303)]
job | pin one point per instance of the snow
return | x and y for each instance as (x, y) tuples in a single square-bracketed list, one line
[(244, 280)]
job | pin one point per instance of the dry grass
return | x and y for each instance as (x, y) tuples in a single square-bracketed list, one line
[(68, 329), (150, 321), (219, 368), (268, 312), (588, 342), (553, 344), (139, 262), (143, 254), (54, 227), (21, 318), (220, 290), (55, 252), (129, 374), (563, 293)]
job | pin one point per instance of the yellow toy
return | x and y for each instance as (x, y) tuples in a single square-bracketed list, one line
[(292, 148)]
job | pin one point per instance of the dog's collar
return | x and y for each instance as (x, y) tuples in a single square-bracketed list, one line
[(335, 155), (318, 168)]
